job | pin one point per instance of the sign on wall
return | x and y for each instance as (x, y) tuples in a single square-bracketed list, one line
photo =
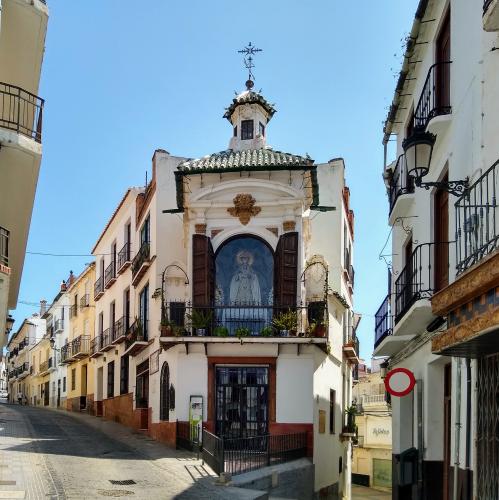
[(195, 416), (399, 382)]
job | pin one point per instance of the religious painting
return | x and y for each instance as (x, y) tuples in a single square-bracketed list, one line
[(244, 284)]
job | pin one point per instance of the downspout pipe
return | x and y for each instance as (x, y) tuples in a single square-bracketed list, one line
[(468, 428), (457, 434)]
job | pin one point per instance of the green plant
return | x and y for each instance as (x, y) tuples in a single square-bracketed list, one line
[(286, 321), (242, 331), (221, 331), (267, 331), (199, 319), (178, 331)]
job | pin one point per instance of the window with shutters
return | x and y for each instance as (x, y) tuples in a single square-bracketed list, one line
[(110, 379), (124, 368)]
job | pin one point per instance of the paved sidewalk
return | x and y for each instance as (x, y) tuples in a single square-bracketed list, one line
[(50, 454), (361, 492)]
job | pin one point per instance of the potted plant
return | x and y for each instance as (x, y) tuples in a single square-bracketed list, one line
[(178, 331), (267, 331), (317, 329), (351, 411), (242, 331), (200, 321), (286, 323), (221, 331), (167, 327)]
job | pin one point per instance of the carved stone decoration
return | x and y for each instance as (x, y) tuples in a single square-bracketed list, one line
[(273, 230), (465, 331), (469, 285), (289, 225), (244, 208), (200, 228)]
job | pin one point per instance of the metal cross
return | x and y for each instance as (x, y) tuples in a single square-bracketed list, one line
[(249, 52)]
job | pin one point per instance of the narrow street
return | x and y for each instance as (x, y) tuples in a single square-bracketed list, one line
[(53, 454)]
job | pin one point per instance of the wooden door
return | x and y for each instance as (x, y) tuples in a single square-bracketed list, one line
[(286, 270), (441, 238), (203, 271), (442, 83), (447, 429)]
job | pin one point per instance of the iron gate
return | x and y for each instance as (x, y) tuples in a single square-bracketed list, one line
[(488, 427)]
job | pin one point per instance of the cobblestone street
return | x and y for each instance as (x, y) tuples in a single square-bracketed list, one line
[(54, 454)]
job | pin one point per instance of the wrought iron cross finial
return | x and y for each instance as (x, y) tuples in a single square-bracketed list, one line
[(249, 51)]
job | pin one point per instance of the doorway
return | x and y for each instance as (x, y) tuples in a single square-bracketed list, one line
[(242, 401), (83, 395), (442, 58), (46, 394)]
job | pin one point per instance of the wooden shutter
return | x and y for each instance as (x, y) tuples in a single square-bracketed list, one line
[(203, 271), (286, 270)]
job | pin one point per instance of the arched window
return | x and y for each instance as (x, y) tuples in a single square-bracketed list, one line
[(164, 410)]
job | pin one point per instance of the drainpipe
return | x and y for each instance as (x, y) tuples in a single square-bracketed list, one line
[(468, 427), (457, 429)]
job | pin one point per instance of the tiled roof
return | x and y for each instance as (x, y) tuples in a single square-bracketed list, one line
[(257, 159), (249, 97)]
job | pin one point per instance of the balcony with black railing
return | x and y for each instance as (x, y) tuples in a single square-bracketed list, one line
[(107, 339), (383, 322), (141, 262), (84, 301), (99, 288), (4, 247), (110, 274), (400, 184), (21, 111), (426, 272), (477, 220), (96, 346), (119, 330), (124, 259), (66, 353), (73, 311), (137, 337), (351, 346), (80, 347), (24, 370), (435, 96), (59, 325)]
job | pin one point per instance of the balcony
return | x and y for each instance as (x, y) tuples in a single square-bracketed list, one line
[(239, 324), (435, 96), (24, 343), (119, 330), (66, 354), (383, 329), (99, 288), (107, 337), (4, 247), (110, 274), (84, 301), (21, 111), (373, 400), (95, 346), (46, 367), (59, 326), (417, 283), (477, 220), (73, 311), (400, 189), (491, 15), (80, 347), (136, 338), (141, 263), (23, 371), (124, 259), (351, 347)]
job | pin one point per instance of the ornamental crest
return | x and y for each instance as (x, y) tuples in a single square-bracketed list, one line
[(244, 208)]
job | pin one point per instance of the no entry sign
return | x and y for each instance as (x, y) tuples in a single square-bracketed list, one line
[(399, 382)]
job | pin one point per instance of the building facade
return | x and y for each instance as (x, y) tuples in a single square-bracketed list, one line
[(440, 317), (22, 43), (220, 291)]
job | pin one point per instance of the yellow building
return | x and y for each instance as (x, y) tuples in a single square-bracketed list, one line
[(75, 354), (42, 363)]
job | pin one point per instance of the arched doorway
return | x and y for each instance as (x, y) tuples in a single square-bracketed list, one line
[(164, 409)]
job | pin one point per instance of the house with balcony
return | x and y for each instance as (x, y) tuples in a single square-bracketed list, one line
[(19, 366), (440, 314), (229, 316), (23, 27), (75, 354)]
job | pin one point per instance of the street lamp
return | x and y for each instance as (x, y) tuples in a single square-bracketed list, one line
[(52, 344), (383, 368), (418, 149), (9, 324)]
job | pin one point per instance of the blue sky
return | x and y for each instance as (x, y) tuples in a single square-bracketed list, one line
[(120, 82)]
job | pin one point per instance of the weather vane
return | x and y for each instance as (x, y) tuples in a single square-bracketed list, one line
[(249, 52)]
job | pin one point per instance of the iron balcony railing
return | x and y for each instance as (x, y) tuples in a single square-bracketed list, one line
[(65, 353), (435, 96), (59, 325), (106, 338), (44, 366), (4, 247), (244, 320), (477, 220), (141, 257), (109, 273), (96, 344), (417, 280), (383, 322), (21, 111), (372, 399), (138, 332), (84, 301), (73, 311), (239, 455), (124, 255), (120, 328), (98, 286), (80, 345), (400, 182)]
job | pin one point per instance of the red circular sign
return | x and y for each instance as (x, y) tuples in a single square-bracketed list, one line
[(411, 382)]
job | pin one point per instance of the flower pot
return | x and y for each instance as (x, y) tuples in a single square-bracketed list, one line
[(166, 331), (284, 333), (201, 332), (320, 331)]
